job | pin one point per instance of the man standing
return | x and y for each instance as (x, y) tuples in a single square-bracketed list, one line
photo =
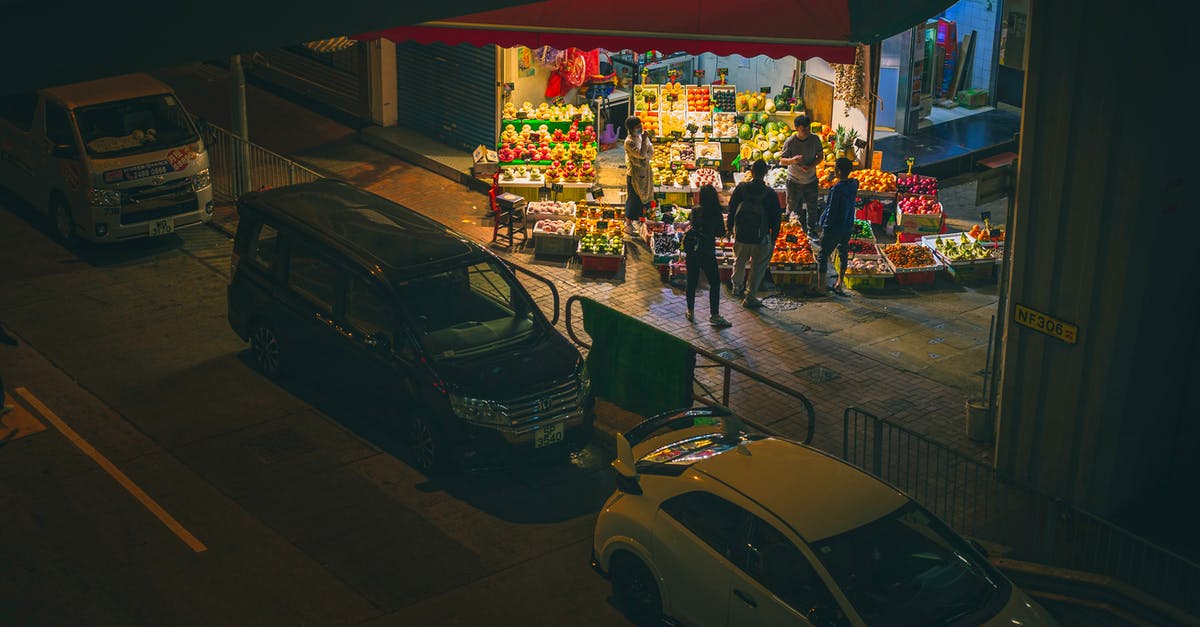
[(801, 154), (754, 220), (836, 225), (639, 187)]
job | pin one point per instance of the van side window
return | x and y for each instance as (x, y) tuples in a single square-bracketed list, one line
[(367, 310), (18, 109), (312, 276), (719, 523), (776, 563), (58, 126), (263, 248)]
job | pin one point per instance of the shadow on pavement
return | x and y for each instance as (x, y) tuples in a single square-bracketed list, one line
[(547, 489)]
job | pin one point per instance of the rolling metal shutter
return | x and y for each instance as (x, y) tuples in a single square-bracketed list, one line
[(337, 79), (448, 92)]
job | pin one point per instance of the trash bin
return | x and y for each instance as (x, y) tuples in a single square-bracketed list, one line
[(979, 421)]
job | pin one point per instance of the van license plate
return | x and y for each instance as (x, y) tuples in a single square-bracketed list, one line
[(552, 434), (162, 227)]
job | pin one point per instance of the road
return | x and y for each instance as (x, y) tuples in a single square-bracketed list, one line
[(299, 510)]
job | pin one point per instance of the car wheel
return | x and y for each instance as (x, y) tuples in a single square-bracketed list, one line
[(635, 591), (63, 222), (266, 350), (426, 445)]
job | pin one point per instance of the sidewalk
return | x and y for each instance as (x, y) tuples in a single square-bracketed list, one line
[(907, 356)]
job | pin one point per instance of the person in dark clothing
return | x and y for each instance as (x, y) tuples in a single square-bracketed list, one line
[(754, 231), (700, 250), (837, 223)]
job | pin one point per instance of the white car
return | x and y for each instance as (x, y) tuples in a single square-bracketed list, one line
[(711, 525)]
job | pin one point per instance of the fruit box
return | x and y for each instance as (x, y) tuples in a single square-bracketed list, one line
[(601, 263), (556, 244), (919, 224), (972, 98), (973, 272), (924, 277), (865, 281)]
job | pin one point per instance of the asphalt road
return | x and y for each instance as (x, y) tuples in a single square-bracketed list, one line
[(276, 504)]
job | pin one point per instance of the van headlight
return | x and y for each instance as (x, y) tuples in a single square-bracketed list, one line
[(475, 410), (585, 383), (201, 179), (105, 197)]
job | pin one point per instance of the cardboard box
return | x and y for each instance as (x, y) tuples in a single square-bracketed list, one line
[(485, 162), (972, 98)]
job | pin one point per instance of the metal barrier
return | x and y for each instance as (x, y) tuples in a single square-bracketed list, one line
[(752, 397), (972, 498), (238, 166), (548, 282)]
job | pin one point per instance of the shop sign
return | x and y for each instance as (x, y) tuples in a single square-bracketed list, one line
[(1044, 323)]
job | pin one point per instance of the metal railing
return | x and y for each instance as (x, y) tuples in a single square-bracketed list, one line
[(752, 400), (553, 289), (975, 501), (238, 166)]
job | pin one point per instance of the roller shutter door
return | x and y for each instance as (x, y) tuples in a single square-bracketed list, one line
[(448, 92), (337, 79)]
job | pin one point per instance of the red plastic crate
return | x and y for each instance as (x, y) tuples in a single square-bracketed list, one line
[(915, 278), (601, 263)]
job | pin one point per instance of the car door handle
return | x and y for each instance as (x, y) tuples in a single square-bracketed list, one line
[(746, 598)]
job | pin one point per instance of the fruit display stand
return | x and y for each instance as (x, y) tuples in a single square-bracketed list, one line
[(917, 216), (868, 268), (913, 264), (601, 253), (554, 237), (793, 261), (963, 260), (774, 181)]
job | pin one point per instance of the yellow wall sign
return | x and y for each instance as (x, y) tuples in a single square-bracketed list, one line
[(1053, 327)]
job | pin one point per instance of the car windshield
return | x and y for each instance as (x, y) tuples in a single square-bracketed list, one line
[(135, 126), (908, 568), (469, 310)]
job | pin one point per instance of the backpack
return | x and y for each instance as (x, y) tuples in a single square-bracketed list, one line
[(750, 218)]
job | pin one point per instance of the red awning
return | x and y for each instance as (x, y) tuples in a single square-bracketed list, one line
[(801, 28)]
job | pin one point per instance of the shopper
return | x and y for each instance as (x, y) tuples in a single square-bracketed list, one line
[(801, 154), (639, 186), (754, 220), (837, 223), (700, 254)]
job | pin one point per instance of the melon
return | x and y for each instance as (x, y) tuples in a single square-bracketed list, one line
[(756, 155), (744, 131)]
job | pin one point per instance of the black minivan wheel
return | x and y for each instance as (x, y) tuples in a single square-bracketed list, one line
[(266, 350), (426, 445), (635, 591)]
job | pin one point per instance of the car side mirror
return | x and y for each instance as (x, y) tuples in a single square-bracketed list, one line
[(63, 151), (378, 340)]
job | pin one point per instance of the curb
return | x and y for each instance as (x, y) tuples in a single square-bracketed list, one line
[(373, 137)]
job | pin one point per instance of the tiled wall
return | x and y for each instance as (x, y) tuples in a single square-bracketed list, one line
[(974, 15)]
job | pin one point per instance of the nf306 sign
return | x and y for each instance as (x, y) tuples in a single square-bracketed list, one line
[(1044, 323)]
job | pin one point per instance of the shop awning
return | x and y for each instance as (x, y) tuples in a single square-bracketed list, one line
[(801, 28)]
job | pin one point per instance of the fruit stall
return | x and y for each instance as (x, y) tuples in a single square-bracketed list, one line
[(550, 146)]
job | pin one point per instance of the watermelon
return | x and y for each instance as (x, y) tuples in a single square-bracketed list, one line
[(745, 132)]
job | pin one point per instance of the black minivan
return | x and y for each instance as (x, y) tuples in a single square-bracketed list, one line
[(408, 314)]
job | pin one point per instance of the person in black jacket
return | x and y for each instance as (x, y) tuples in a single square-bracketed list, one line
[(700, 254), (754, 219), (836, 225)]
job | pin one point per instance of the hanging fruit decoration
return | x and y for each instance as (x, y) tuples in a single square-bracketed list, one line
[(848, 82), (335, 44)]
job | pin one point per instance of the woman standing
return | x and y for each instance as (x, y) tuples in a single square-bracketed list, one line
[(700, 250), (639, 187)]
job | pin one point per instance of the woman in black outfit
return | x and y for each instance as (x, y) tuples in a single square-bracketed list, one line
[(700, 250)]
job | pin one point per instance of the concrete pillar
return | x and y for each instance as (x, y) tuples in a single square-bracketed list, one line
[(1095, 235), (381, 67)]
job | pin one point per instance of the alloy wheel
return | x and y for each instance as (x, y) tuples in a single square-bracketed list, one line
[(423, 444), (264, 346)]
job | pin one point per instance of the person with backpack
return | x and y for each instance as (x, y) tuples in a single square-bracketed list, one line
[(754, 219), (837, 223), (700, 254)]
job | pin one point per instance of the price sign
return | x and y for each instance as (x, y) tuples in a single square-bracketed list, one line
[(994, 234), (556, 187), (675, 135), (609, 214), (765, 90), (791, 239), (707, 128), (986, 216), (706, 161), (601, 225), (597, 191), (660, 195)]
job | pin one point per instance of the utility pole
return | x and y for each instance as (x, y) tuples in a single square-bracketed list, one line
[(241, 148)]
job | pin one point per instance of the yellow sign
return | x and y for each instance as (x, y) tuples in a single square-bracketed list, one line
[(1043, 323)]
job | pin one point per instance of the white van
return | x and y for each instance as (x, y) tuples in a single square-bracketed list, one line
[(106, 160)]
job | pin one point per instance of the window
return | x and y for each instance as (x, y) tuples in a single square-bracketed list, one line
[(263, 249), (367, 310), (719, 523), (772, 560), (312, 276), (135, 126), (19, 109), (58, 126)]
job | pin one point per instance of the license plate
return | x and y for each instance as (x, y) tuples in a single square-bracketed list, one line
[(551, 434), (162, 227)]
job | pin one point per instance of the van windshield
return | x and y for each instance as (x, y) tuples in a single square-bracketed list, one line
[(134, 126), (469, 310)]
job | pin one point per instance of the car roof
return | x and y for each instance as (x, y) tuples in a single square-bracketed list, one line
[(817, 495), (378, 233), (111, 89)]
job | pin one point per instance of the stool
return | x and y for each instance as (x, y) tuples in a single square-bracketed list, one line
[(508, 220)]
